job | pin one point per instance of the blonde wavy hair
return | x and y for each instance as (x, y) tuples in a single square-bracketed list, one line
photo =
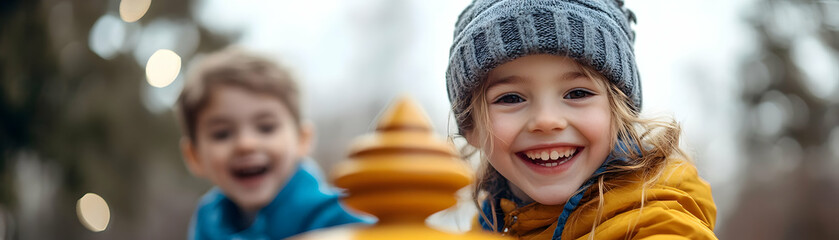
[(657, 140)]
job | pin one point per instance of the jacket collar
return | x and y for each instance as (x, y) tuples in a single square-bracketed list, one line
[(220, 218)]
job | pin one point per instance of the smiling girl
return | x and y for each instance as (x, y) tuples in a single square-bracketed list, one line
[(548, 91)]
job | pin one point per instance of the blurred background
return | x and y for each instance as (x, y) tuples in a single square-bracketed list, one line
[(755, 84)]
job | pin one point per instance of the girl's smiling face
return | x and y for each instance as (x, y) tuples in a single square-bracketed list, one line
[(549, 126)]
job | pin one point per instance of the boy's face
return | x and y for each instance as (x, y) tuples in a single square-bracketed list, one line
[(550, 126), (247, 144)]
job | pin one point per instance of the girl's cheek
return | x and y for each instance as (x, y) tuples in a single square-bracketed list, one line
[(604, 125)]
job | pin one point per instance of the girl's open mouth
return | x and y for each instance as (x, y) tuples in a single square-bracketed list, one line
[(550, 157)]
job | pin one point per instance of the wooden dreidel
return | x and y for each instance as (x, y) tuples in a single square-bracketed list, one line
[(402, 173)]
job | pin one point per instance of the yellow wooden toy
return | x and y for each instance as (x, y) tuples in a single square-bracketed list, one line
[(402, 173)]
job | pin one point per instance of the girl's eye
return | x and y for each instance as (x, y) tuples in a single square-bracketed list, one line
[(266, 128), (577, 94), (509, 99), (220, 135)]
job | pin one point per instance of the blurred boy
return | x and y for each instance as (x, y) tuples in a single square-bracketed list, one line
[(242, 130)]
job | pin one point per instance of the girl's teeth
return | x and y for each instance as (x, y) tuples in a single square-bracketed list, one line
[(569, 152), (551, 154)]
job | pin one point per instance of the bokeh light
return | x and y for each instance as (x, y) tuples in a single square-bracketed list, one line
[(162, 68), (107, 36), (93, 212), (818, 64), (133, 10), (769, 118)]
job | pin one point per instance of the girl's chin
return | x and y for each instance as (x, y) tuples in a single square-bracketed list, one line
[(551, 200), (554, 202), (551, 195)]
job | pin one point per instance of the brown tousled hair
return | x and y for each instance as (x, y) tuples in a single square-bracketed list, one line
[(233, 67), (658, 141)]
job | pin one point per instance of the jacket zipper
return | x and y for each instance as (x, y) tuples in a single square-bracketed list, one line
[(510, 224)]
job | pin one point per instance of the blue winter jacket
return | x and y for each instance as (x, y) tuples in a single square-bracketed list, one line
[(305, 203)]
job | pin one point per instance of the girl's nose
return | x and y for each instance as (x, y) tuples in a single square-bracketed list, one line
[(546, 119)]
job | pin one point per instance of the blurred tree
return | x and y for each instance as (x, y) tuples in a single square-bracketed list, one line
[(790, 99), (73, 122)]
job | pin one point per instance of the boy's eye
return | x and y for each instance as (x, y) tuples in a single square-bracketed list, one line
[(266, 128), (509, 99), (578, 93), (220, 135)]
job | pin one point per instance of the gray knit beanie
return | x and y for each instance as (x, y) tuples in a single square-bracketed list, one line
[(489, 33)]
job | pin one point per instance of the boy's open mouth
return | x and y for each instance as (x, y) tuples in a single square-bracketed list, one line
[(244, 173), (549, 157)]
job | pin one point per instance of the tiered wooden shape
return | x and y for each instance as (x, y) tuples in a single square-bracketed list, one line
[(402, 173)]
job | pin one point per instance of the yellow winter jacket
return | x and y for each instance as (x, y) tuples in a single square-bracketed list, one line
[(678, 206)]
